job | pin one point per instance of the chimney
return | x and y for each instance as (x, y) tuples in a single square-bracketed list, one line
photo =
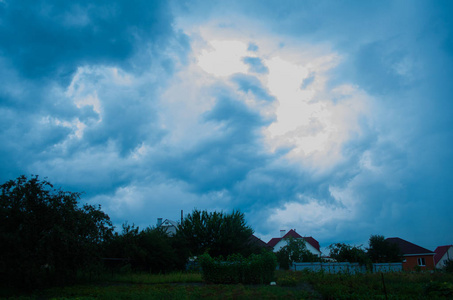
[(159, 222), (282, 232)]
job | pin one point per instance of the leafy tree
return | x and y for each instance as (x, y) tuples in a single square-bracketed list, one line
[(45, 236), (345, 253), (294, 251), (381, 251), (216, 233), (449, 266), (150, 250)]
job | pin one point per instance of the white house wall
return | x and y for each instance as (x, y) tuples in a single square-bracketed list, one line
[(282, 243), (447, 255)]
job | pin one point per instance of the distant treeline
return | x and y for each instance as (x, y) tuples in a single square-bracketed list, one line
[(47, 238)]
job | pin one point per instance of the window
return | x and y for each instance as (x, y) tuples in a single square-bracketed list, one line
[(421, 261)]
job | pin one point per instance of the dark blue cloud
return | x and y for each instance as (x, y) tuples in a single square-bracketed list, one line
[(251, 84), (127, 120), (235, 114), (46, 38), (377, 66), (42, 45), (397, 163), (255, 65), (219, 162), (307, 81), (252, 47)]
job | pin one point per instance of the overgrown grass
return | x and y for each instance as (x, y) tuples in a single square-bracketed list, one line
[(373, 286), (147, 278), (171, 291), (290, 285)]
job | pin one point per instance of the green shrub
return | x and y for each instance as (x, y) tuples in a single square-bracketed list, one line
[(439, 289), (290, 279), (449, 266), (237, 269)]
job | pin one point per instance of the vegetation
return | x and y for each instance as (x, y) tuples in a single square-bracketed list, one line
[(378, 251), (449, 266), (237, 269), (215, 233), (45, 236), (424, 285), (345, 253), (381, 250), (57, 248), (290, 285), (294, 251), (149, 250)]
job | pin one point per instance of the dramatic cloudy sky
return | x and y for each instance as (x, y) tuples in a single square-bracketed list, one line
[(330, 117)]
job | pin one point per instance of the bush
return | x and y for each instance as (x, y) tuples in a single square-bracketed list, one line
[(439, 289), (256, 269), (289, 279), (449, 266), (149, 250)]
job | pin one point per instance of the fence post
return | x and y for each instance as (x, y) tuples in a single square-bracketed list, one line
[(383, 283)]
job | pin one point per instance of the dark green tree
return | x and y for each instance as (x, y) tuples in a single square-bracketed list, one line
[(150, 250), (382, 251), (294, 251), (449, 266), (216, 233), (346, 253), (45, 237)]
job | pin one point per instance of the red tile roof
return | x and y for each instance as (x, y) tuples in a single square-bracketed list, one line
[(273, 242), (294, 234), (440, 252), (408, 248)]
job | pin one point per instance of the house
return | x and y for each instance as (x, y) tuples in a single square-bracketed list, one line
[(413, 255), (443, 253), (169, 226), (278, 243), (258, 243)]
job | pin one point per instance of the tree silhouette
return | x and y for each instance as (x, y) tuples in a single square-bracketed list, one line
[(216, 233), (45, 236)]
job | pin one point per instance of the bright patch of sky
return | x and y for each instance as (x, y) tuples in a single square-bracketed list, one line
[(312, 121)]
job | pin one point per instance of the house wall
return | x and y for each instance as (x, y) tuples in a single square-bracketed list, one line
[(412, 261), (447, 255), (313, 249), (282, 243), (170, 230)]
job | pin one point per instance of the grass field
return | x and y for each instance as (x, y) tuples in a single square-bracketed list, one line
[(290, 285)]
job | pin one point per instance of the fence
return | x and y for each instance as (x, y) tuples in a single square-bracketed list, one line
[(345, 267), (387, 267)]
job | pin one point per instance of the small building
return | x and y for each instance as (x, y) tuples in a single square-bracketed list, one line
[(413, 255), (310, 242), (443, 254), (169, 226)]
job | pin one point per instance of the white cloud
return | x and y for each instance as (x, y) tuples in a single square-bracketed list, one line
[(223, 58), (83, 90), (314, 121)]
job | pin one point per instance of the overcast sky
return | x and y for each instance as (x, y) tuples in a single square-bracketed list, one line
[(334, 118)]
